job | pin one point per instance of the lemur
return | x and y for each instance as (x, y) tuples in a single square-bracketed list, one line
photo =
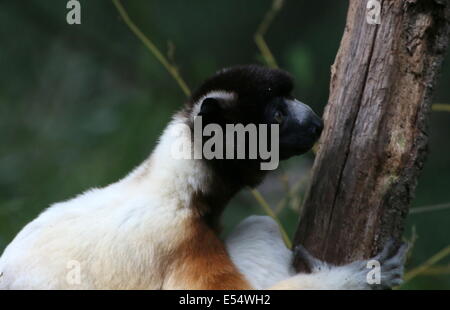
[(158, 228)]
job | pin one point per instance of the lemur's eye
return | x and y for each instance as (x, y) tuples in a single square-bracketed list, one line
[(279, 117)]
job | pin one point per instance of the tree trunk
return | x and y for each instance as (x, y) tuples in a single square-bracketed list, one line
[(374, 142)]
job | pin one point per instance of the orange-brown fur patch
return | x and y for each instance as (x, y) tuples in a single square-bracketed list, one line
[(203, 262)]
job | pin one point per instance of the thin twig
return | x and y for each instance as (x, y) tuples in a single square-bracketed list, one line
[(262, 30), (441, 107), (437, 270), (284, 179), (173, 71), (291, 194), (425, 266), (263, 203), (411, 243), (440, 207)]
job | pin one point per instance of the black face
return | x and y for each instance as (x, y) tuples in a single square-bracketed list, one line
[(263, 96), (260, 96), (299, 127)]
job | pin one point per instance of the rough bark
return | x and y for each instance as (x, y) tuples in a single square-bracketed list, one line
[(375, 139)]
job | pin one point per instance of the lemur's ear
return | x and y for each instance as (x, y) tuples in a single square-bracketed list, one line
[(210, 106)]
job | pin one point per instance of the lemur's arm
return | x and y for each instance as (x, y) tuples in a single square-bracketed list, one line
[(257, 249), (255, 257), (350, 276)]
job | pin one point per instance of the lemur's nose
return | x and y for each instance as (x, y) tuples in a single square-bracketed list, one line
[(308, 121), (316, 125), (311, 122)]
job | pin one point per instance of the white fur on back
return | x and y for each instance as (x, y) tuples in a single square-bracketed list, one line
[(116, 233)]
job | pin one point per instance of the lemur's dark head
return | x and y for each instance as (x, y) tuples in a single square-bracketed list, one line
[(257, 95)]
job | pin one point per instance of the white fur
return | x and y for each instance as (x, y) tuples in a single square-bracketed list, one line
[(257, 249), (113, 232), (227, 97)]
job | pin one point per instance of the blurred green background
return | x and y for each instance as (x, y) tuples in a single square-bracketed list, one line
[(82, 105)]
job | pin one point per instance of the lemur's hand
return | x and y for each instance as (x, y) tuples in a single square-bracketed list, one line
[(392, 261), (354, 275)]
